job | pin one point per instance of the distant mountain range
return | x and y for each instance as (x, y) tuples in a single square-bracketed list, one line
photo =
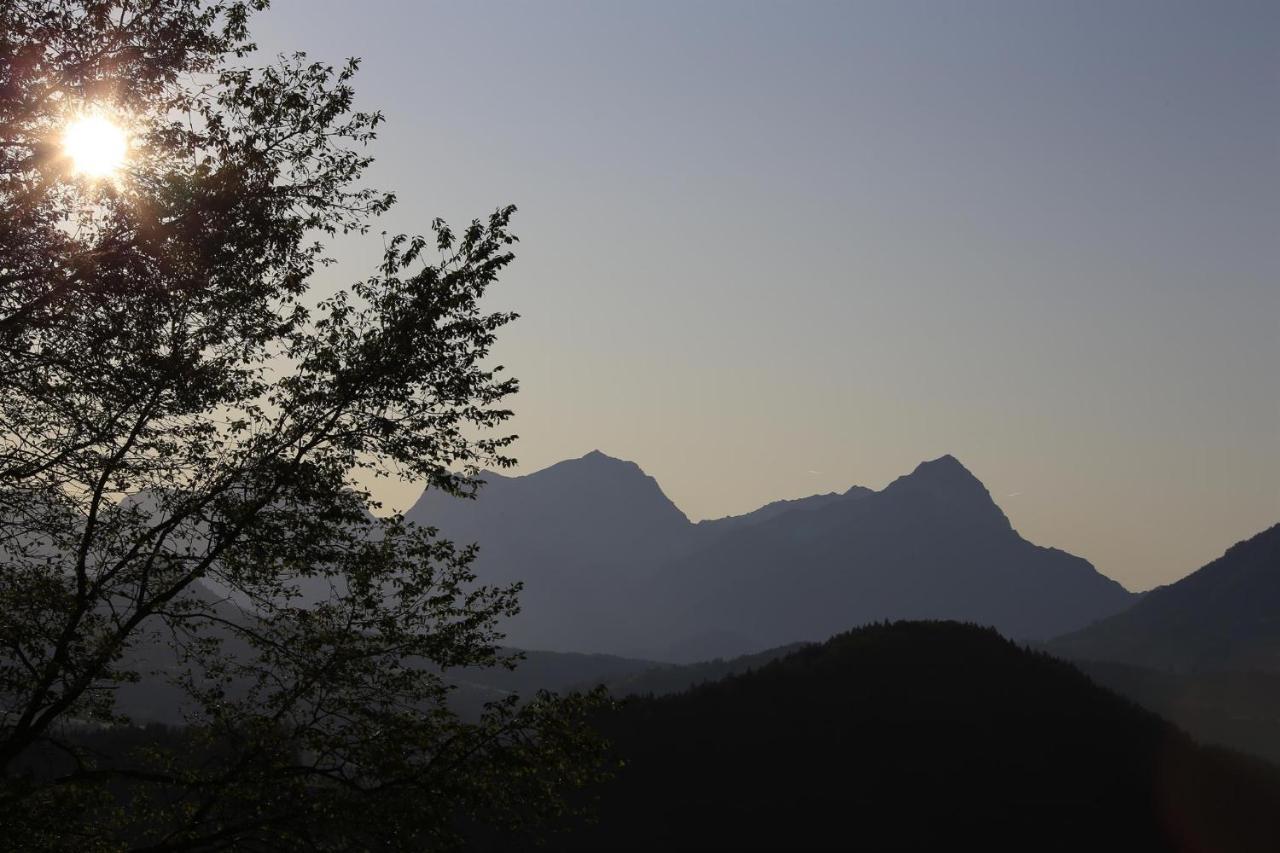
[(1194, 652), (1225, 616), (610, 564), (918, 736)]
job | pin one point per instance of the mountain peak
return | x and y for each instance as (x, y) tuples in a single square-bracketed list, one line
[(945, 478), (595, 463), (597, 480), (601, 456), (945, 472), (944, 466)]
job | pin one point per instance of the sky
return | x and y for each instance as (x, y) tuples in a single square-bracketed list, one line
[(775, 249)]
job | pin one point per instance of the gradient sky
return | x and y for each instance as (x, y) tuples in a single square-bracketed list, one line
[(772, 249)]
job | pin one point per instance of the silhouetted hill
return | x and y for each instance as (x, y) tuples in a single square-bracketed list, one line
[(609, 564), (1226, 615), (920, 736), (932, 544), (1238, 710), (663, 679)]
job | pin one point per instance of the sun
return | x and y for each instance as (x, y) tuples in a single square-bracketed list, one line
[(96, 145)]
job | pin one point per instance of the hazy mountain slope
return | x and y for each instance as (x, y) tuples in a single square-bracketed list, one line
[(603, 504), (1226, 615), (560, 672), (585, 537), (576, 535), (155, 697), (920, 736), (777, 508), (930, 545), (1239, 710)]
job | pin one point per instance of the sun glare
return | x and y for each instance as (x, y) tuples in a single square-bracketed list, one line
[(96, 145)]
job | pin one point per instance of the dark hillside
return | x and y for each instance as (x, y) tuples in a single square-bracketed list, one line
[(921, 736), (1224, 616)]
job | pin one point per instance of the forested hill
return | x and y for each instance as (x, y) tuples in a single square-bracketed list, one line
[(662, 679), (920, 736)]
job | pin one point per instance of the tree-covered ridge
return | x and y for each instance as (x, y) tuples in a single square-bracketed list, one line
[(920, 736)]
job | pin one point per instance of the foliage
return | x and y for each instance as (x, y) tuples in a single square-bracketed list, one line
[(182, 429)]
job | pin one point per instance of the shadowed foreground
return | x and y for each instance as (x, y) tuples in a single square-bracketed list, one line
[(918, 735)]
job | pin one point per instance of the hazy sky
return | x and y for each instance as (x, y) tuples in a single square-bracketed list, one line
[(775, 249)]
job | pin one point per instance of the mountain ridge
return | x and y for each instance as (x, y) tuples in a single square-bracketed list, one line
[(610, 564), (1224, 616)]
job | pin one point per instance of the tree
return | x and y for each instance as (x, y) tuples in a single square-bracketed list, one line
[(182, 429)]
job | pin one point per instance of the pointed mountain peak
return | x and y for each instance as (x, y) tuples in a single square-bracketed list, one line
[(595, 462), (946, 479), (598, 477), (599, 456), (944, 470)]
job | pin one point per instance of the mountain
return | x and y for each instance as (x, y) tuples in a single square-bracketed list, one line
[(919, 736), (609, 564), (156, 697), (773, 510), (930, 545), (604, 504), (585, 537), (1224, 616), (578, 535)]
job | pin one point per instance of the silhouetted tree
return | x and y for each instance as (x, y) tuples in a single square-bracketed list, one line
[(182, 428)]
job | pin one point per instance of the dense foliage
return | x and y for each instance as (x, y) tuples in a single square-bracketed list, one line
[(183, 424)]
